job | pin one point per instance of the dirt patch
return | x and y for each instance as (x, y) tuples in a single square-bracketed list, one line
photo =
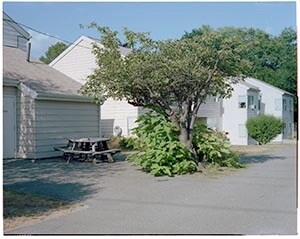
[(22, 221), (215, 172)]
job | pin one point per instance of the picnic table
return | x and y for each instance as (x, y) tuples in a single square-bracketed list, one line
[(86, 149)]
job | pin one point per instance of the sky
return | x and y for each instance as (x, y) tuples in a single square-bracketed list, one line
[(164, 20)]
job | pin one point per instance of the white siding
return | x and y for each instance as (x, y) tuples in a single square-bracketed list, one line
[(78, 61), (116, 113), (234, 118), (211, 111), (57, 121)]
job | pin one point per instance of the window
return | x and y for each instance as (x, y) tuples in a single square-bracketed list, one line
[(277, 104), (290, 106), (242, 131), (284, 106), (242, 101), (251, 104)]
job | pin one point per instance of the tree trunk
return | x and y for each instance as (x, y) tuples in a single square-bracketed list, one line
[(185, 137)]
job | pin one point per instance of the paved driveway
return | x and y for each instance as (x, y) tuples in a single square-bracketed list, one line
[(123, 200)]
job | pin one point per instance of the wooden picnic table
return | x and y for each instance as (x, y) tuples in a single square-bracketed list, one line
[(88, 149)]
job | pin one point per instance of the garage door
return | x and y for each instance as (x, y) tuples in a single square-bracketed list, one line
[(9, 127)]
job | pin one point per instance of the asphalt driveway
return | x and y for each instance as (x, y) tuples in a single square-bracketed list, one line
[(120, 199)]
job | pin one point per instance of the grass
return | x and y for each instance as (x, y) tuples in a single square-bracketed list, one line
[(253, 149), (18, 204)]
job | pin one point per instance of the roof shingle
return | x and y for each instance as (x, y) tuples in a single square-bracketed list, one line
[(36, 75)]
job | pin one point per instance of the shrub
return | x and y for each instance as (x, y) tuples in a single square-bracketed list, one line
[(161, 152), (264, 128), (214, 147), (131, 143)]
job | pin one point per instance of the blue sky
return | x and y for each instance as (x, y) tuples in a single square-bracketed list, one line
[(162, 20)]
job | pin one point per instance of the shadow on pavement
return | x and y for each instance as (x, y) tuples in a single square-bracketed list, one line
[(71, 192), (56, 179), (248, 159)]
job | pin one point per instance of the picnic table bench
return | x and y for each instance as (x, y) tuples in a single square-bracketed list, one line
[(88, 149)]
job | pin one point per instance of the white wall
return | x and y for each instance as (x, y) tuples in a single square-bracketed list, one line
[(78, 61), (117, 113), (212, 111), (57, 121), (234, 118)]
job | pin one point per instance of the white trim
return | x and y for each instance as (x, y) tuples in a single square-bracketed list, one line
[(70, 48), (269, 85), (27, 90)]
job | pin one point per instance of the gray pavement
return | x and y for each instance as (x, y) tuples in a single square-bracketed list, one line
[(120, 199)]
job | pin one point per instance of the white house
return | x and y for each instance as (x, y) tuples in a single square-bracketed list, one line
[(277, 102), (77, 62), (249, 99), (41, 106)]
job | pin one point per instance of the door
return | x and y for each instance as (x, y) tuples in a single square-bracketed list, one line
[(9, 127)]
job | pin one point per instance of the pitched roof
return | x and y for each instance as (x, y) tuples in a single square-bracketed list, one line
[(255, 81), (123, 50), (80, 42), (36, 75), (249, 85)]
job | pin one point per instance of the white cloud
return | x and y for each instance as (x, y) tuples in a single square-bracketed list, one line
[(40, 43)]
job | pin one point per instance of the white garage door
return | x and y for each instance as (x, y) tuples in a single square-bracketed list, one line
[(9, 127)]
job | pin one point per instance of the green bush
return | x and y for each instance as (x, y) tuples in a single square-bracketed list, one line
[(214, 147), (161, 153), (131, 143), (264, 128)]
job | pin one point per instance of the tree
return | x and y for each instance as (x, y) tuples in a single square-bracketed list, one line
[(172, 77), (273, 57), (53, 51)]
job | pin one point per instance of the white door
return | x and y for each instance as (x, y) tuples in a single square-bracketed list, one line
[(9, 127)]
